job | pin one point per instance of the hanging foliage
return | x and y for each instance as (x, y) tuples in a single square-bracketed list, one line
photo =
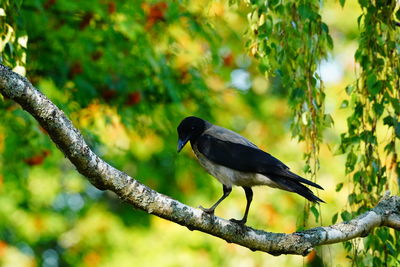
[(371, 142), (290, 40), (13, 38)]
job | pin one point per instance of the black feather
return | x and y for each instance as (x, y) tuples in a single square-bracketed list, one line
[(247, 159), (296, 187), (237, 156), (288, 174)]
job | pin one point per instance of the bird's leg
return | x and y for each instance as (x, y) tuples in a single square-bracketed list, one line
[(249, 197), (227, 190)]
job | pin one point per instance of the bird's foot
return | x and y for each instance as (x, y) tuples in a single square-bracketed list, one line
[(241, 222), (208, 211)]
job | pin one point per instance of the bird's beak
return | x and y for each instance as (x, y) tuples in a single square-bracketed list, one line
[(181, 144)]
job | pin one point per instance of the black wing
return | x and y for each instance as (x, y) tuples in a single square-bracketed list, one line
[(237, 156), (245, 158)]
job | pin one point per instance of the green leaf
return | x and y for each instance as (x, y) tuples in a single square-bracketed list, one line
[(390, 148), (304, 11), (346, 216), (344, 104), (334, 218), (358, 55), (315, 211), (307, 168), (363, 3), (339, 187), (357, 176), (325, 27), (359, 20), (330, 41), (371, 81), (352, 198), (395, 102), (348, 246), (350, 162), (389, 120), (382, 234), (378, 109), (349, 89), (342, 2)]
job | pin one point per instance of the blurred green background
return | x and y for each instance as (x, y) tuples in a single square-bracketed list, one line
[(126, 73)]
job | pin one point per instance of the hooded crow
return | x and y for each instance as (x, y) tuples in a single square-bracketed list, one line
[(234, 160)]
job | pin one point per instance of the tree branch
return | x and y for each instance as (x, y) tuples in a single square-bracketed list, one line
[(103, 176)]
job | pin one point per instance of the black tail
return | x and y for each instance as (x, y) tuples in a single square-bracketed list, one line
[(294, 176), (296, 187)]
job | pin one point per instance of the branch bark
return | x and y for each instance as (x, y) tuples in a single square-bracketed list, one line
[(70, 141)]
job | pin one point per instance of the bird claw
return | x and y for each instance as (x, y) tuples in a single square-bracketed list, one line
[(208, 211), (241, 222)]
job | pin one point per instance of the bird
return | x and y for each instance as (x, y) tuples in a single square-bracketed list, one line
[(235, 161)]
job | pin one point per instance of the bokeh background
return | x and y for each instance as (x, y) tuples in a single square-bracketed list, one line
[(126, 73)]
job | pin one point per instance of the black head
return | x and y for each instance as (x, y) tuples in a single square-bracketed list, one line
[(190, 129)]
